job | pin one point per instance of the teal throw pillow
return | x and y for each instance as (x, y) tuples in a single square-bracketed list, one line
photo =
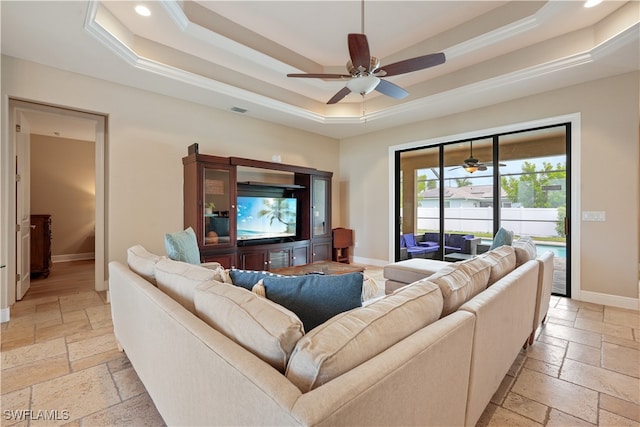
[(502, 237), (316, 298), (182, 246), (248, 278)]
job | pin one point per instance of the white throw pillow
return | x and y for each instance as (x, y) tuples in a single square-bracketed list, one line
[(525, 250), (351, 338), (263, 327)]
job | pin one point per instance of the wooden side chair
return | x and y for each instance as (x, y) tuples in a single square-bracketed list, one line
[(342, 240)]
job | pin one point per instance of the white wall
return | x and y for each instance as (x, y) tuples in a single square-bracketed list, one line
[(148, 135), (608, 180)]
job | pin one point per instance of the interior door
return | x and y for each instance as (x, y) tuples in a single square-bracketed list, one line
[(23, 206)]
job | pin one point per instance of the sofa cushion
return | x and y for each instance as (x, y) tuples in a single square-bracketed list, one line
[(412, 270), (182, 246), (429, 244), (315, 298), (248, 278), (455, 240), (349, 339), (179, 280), (525, 250), (502, 260), (265, 328), (143, 262), (460, 282)]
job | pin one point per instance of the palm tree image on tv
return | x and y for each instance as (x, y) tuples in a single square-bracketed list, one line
[(281, 210)]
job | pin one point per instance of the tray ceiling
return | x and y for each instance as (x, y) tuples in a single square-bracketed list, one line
[(228, 54)]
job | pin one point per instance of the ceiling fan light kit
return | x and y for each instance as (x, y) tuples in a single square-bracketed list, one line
[(363, 84), (471, 169)]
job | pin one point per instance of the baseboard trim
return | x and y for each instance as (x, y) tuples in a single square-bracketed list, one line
[(73, 257), (4, 315), (610, 300), (369, 261)]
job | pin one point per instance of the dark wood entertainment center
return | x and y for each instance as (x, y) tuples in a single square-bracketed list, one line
[(212, 186)]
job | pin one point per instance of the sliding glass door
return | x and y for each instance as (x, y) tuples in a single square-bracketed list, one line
[(468, 193), (534, 183), (457, 194)]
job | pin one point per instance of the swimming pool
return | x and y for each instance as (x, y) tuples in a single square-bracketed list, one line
[(559, 251)]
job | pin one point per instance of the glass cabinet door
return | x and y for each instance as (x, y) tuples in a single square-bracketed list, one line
[(218, 209), (320, 208)]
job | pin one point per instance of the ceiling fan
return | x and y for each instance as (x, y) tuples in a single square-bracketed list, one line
[(365, 71), (472, 164)]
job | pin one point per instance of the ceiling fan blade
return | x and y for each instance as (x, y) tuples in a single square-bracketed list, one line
[(338, 96), (391, 89), (321, 76), (359, 51), (413, 64)]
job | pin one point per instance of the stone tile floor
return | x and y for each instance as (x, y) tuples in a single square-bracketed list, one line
[(60, 366)]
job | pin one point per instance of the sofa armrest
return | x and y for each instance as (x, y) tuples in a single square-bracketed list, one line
[(545, 284), (504, 318)]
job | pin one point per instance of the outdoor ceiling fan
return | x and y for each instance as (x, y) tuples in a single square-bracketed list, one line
[(472, 164), (365, 71)]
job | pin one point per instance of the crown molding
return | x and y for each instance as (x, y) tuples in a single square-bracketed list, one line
[(100, 33), (490, 38)]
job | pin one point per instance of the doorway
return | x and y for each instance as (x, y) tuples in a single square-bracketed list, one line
[(465, 189), (73, 125)]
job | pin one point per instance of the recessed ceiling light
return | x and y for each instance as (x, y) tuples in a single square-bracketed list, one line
[(592, 3), (143, 10)]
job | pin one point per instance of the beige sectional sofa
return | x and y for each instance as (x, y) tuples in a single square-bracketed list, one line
[(430, 353)]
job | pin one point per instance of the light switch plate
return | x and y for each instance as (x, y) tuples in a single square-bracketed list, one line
[(597, 216)]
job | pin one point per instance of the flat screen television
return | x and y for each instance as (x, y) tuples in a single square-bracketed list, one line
[(263, 217)]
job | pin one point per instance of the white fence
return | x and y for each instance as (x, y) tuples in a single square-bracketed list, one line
[(523, 221)]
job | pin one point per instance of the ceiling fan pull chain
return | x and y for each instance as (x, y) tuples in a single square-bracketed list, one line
[(362, 16)]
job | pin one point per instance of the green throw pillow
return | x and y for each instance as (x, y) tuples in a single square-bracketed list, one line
[(502, 237), (316, 298), (182, 246)]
